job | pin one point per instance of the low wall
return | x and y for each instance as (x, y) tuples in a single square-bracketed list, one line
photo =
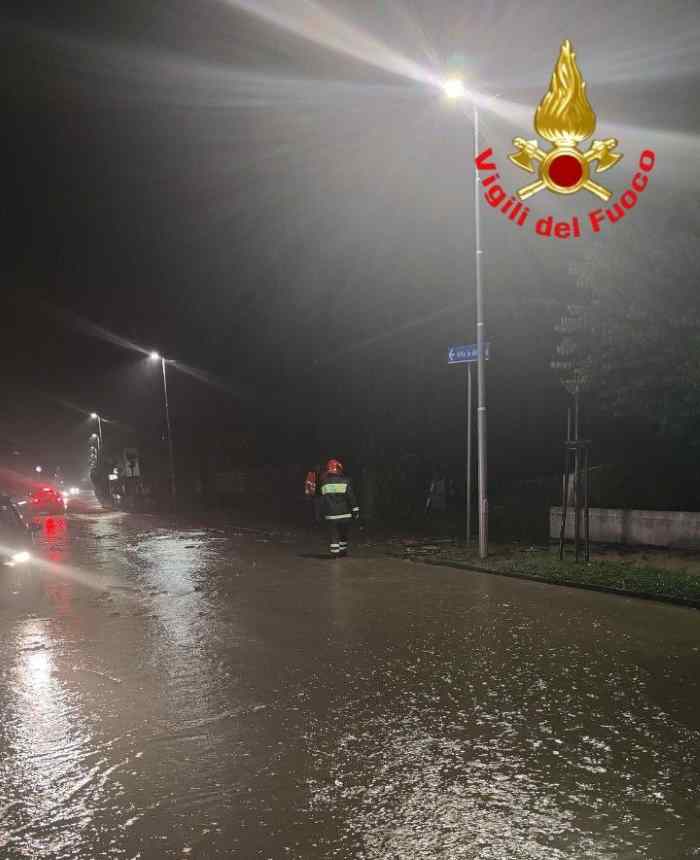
[(635, 528)]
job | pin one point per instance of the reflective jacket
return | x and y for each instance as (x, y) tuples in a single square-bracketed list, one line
[(338, 500)]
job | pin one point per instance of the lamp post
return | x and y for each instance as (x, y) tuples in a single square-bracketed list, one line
[(155, 356), (96, 417), (454, 90)]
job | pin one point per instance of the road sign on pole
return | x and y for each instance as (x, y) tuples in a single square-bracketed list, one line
[(465, 354)]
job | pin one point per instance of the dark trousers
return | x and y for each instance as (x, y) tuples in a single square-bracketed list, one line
[(339, 536)]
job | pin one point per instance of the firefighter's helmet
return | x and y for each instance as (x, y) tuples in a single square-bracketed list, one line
[(334, 467)]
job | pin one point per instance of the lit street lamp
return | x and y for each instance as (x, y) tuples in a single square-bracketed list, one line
[(455, 90), (155, 356)]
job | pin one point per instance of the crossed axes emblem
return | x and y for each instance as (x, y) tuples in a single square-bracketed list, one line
[(529, 151)]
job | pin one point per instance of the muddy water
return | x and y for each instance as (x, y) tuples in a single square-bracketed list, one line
[(169, 692)]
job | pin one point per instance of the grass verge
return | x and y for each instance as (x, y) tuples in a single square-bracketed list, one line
[(619, 576)]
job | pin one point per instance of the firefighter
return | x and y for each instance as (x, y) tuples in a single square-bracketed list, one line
[(339, 506)]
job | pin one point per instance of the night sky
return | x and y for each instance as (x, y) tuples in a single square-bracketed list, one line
[(277, 195)]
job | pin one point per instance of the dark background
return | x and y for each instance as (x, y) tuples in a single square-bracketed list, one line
[(294, 224)]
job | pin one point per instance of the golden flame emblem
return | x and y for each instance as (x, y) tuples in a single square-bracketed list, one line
[(565, 118)]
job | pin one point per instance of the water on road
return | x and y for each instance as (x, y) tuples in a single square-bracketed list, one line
[(171, 692)]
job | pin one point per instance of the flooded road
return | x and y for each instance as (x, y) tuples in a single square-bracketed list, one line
[(174, 692)]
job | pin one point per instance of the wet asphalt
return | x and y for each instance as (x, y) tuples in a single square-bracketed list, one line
[(169, 689)]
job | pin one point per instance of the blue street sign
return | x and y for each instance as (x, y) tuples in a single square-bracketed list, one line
[(465, 354)]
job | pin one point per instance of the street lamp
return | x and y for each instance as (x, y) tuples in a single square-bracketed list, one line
[(96, 417), (156, 356), (454, 90)]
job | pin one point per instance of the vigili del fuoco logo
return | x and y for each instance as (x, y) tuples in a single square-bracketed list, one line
[(565, 118)]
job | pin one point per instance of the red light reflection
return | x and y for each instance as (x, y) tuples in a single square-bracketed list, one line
[(54, 526), (54, 532)]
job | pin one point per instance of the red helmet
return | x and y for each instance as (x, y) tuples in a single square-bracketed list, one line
[(334, 467)]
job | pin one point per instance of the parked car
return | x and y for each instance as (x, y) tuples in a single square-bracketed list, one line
[(15, 535)]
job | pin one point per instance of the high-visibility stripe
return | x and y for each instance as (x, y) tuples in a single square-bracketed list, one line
[(333, 488), (339, 517)]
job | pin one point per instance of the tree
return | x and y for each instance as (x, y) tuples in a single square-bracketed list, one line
[(575, 349)]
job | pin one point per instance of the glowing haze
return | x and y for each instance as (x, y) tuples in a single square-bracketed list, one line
[(314, 22)]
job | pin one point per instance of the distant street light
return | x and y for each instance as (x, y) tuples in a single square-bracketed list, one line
[(96, 417), (455, 90), (38, 469), (155, 356)]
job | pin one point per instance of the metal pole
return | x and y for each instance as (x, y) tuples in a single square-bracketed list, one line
[(564, 503), (565, 485), (587, 503), (577, 481), (568, 439), (170, 434), (469, 453), (481, 359)]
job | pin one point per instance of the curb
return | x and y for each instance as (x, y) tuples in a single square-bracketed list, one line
[(458, 565)]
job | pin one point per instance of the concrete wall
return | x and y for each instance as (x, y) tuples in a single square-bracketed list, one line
[(640, 528)]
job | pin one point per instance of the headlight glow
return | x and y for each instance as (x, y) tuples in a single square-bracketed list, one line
[(20, 557)]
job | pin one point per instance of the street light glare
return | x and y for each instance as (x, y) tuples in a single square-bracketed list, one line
[(454, 88), (155, 356), (93, 415)]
